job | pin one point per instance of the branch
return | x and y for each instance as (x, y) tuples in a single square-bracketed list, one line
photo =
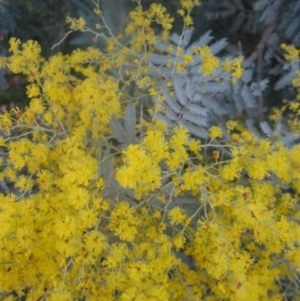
[(265, 37), (258, 53)]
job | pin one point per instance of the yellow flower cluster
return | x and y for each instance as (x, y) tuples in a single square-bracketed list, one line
[(76, 24), (139, 26), (234, 67), (215, 132), (166, 218), (292, 53), (123, 222), (235, 215), (142, 171), (209, 62)]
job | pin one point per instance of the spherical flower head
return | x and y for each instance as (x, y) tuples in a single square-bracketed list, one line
[(124, 222), (292, 53), (215, 132), (31, 50), (14, 45), (195, 145), (179, 137), (155, 143), (177, 216), (258, 170), (32, 90), (79, 197), (230, 171), (179, 242), (209, 62)]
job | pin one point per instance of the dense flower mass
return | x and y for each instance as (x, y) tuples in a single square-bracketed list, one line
[(103, 210)]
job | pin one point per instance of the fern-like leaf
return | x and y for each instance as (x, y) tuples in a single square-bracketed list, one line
[(248, 97), (218, 46), (171, 102), (178, 86), (195, 130), (284, 81), (266, 129)]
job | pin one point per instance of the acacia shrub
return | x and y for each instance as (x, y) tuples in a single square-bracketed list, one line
[(110, 204)]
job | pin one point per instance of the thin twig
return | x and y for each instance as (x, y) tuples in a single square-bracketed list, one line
[(265, 37), (258, 53), (65, 36)]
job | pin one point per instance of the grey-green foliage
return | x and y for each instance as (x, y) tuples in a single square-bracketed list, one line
[(9, 14), (269, 23), (115, 13), (266, 130), (106, 170), (200, 100), (290, 22), (249, 17), (125, 133), (8, 17), (130, 123), (197, 101), (193, 99)]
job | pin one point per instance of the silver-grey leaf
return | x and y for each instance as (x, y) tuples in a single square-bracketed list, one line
[(117, 128), (129, 124)]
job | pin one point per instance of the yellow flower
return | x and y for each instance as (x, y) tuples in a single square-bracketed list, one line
[(238, 70), (37, 106), (5, 120), (124, 222), (177, 216), (78, 197), (215, 132), (45, 180), (195, 145), (218, 265), (159, 293), (181, 66), (177, 158), (179, 242), (179, 137), (156, 145), (131, 294), (65, 227), (209, 61), (14, 45), (16, 64), (277, 162), (24, 183), (227, 65), (188, 20), (292, 52), (230, 171), (31, 50), (32, 90), (95, 242), (257, 169), (193, 179)]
